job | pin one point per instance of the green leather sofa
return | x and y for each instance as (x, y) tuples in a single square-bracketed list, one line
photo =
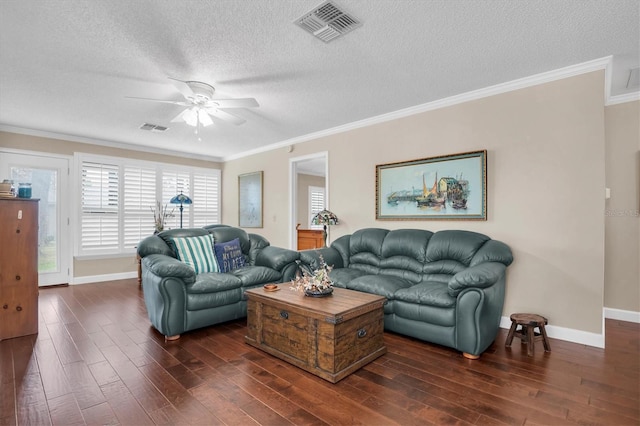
[(179, 300), (445, 287)]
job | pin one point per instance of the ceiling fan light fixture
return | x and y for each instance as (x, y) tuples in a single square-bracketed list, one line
[(190, 116), (204, 118)]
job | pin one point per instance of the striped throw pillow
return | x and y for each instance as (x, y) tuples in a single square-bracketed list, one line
[(197, 252)]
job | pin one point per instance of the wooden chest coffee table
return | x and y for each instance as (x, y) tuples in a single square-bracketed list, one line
[(330, 337)]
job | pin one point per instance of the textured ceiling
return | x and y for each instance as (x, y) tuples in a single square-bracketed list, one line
[(66, 66)]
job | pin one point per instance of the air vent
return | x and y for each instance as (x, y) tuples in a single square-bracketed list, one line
[(327, 22), (153, 127), (634, 78)]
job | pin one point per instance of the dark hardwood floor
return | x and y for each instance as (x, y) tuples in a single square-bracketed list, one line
[(96, 360)]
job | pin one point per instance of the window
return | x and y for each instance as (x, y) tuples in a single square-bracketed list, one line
[(118, 195), (100, 208), (139, 199), (316, 204)]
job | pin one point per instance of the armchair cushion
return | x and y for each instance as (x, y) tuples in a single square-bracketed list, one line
[(197, 252), (229, 255)]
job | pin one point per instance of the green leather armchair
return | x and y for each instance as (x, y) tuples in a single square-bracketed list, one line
[(445, 287), (179, 300)]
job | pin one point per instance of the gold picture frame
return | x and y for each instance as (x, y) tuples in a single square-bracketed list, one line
[(452, 187)]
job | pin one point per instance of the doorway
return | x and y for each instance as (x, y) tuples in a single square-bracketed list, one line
[(49, 178), (305, 173)]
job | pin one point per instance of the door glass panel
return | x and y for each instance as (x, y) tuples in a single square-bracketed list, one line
[(44, 184)]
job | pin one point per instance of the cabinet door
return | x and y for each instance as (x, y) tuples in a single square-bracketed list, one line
[(18, 268)]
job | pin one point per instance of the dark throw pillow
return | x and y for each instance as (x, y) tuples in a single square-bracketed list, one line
[(229, 255)]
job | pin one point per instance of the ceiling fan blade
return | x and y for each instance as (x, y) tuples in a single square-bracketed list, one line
[(223, 115), (179, 117), (181, 103), (182, 87), (235, 103)]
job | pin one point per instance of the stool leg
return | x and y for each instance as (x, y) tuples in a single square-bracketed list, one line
[(545, 340), (512, 330), (530, 334)]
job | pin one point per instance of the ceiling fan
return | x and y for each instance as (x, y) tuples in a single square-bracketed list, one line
[(200, 105)]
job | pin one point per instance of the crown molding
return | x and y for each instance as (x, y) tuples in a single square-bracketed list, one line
[(620, 99), (521, 83), (102, 142)]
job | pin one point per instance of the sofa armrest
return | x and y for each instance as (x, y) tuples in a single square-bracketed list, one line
[(166, 266), (276, 257), (480, 276), (331, 256)]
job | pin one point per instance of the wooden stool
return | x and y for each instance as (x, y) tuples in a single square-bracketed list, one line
[(527, 334)]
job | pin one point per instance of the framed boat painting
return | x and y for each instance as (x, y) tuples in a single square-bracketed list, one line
[(250, 200), (444, 187)]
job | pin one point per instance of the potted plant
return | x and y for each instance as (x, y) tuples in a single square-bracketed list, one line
[(313, 283), (160, 214)]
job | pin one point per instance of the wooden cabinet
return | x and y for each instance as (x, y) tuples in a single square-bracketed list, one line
[(18, 267), (310, 238)]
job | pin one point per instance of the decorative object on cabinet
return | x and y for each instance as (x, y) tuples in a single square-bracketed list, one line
[(309, 238), (324, 218), (444, 187), (181, 199), (250, 200), (19, 266)]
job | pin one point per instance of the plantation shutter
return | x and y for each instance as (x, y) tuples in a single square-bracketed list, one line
[(206, 198), (139, 199), (99, 207), (316, 204), (174, 182)]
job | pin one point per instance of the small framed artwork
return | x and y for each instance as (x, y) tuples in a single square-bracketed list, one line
[(444, 187), (250, 200)]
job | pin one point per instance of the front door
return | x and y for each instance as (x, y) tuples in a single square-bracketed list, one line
[(49, 178)]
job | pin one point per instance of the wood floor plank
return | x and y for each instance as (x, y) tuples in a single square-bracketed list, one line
[(143, 391), (97, 360), (65, 411), (85, 387), (176, 394), (100, 414), (124, 405), (31, 402), (51, 372)]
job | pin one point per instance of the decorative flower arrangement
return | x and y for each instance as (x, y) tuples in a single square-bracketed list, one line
[(313, 283), (160, 214)]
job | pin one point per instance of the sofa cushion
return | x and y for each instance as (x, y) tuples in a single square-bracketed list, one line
[(213, 282), (229, 255), (253, 275), (222, 234), (429, 293), (196, 302), (406, 243), (455, 245), (426, 315), (341, 277), (382, 285), (197, 252)]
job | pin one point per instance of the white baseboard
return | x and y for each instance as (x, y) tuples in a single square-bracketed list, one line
[(568, 334), (101, 278), (619, 314)]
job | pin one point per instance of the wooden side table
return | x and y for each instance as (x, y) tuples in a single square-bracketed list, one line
[(527, 334)]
